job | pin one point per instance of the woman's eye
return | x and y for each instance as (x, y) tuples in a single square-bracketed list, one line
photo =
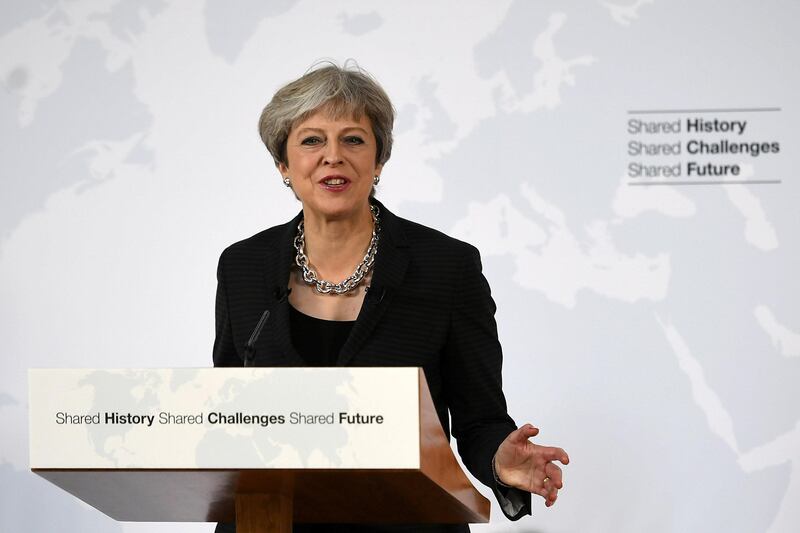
[(353, 139), (311, 141)]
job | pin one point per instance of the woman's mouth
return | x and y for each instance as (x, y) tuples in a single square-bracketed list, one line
[(335, 183)]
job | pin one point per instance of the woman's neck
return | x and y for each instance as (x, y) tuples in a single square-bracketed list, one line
[(335, 247)]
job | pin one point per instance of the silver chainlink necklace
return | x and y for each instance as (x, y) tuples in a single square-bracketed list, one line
[(350, 283)]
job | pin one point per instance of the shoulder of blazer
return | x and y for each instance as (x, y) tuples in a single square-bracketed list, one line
[(259, 265), (272, 237), (406, 233)]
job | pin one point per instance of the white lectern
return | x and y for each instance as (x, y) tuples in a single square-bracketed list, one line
[(261, 446)]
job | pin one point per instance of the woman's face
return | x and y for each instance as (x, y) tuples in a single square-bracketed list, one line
[(331, 164)]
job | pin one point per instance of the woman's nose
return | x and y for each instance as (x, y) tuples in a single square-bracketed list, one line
[(332, 153)]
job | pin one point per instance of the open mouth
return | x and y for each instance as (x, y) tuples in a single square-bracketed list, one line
[(335, 183)]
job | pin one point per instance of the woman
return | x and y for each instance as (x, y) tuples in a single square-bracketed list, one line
[(348, 283)]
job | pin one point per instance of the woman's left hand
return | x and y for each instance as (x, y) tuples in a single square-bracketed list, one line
[(524, 465)]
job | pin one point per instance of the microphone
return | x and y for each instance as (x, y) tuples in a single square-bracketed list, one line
[(250, 345)]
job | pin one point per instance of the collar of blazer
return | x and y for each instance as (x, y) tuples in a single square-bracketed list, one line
[(391, 263)]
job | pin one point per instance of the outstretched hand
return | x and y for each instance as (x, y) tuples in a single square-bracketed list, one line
[(524, 465)]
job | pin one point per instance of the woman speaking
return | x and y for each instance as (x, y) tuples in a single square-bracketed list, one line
[(348, 283)]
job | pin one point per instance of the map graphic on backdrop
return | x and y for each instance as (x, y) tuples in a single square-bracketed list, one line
[(653, 331)]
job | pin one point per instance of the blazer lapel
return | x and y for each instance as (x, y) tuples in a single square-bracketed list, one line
[(391, 263), (278, 264)]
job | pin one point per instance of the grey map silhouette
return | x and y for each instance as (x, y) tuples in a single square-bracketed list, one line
[(652, 332)]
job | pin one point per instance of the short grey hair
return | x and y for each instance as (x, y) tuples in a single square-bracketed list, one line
[(342, 91)]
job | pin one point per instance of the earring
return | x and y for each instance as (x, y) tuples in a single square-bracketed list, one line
[(287, 181), (376, 180)]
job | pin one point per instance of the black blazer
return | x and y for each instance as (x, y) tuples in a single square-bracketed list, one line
[(428, 305)]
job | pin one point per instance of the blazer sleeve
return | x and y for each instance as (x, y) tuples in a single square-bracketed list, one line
[(472, 379), (224, 353)]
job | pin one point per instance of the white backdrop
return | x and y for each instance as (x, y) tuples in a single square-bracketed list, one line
[(652, 331)]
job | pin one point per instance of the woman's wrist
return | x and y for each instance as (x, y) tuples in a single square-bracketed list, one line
[(497, 477)]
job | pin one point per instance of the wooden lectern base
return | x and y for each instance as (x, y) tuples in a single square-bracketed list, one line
[(263, 513)]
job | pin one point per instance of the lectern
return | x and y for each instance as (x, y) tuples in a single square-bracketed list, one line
[(262, 446)]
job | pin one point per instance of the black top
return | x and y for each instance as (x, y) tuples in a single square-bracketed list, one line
[(318, 341)]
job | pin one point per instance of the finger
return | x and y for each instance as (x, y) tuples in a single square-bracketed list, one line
[(542, 491), (551, 453), (523, 433), (553, 472), (552, 492), (549, 492), (551, 500)]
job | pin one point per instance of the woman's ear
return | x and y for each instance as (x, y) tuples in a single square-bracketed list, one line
[(283, 169)]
